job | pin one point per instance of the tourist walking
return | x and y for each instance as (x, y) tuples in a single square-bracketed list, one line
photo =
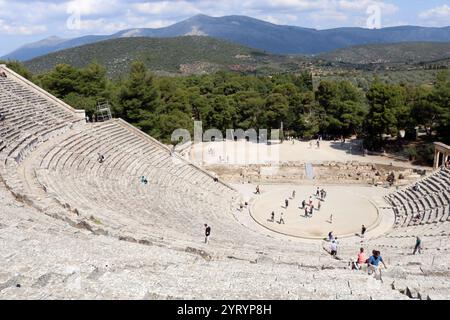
[(258, 190), (286, 203), (317, 192), (293, 194), (333, 248), (281, 219), (331, 219), (272, 216), (363, 231), (374, 262), (306, 212), (318, 205), (207, 232), (330, 236), (418, 246), (303, 204)]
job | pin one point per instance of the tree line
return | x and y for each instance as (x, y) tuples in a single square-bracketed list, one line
[(159, 105)]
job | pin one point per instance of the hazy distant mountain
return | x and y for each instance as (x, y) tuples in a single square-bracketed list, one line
[(256, 34), (405, 52)]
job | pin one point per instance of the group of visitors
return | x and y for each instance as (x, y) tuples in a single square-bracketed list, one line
[(272, 218), (144, 179), (322, 194), (243, 205), (309, 206), (373, 262), (317, 144), (3, 74)]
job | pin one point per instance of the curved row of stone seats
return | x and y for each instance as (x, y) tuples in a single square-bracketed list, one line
[(112, 269), (124, 153), (171, 209), (173, 187), (31, 117), (429, 203)]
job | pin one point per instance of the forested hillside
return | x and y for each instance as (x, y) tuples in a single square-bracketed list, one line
[(159, 105)]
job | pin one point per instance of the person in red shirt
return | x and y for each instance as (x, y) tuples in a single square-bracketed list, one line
[(360, 260)]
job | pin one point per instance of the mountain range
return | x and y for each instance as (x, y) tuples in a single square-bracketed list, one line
[(251, 32)]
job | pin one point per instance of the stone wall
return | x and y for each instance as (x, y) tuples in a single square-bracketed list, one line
[(327, 172)]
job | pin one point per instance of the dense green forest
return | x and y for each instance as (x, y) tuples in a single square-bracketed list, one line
[(159, 105)]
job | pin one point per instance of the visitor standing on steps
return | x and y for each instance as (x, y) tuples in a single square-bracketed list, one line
[(281, 219), (363, 231), (330, 236), (418, 245), (207, 232), (333, 247)]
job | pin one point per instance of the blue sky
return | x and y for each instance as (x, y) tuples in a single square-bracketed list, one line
[(23, 21)]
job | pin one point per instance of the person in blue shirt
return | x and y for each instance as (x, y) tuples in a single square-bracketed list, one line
[(374, 261)]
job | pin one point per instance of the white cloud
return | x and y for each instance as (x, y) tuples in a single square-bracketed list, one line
[(329, 16), (362, 5), (94, 7), (166, 7), (11, 29), (287, 5), (101, 26), (437, 12)]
